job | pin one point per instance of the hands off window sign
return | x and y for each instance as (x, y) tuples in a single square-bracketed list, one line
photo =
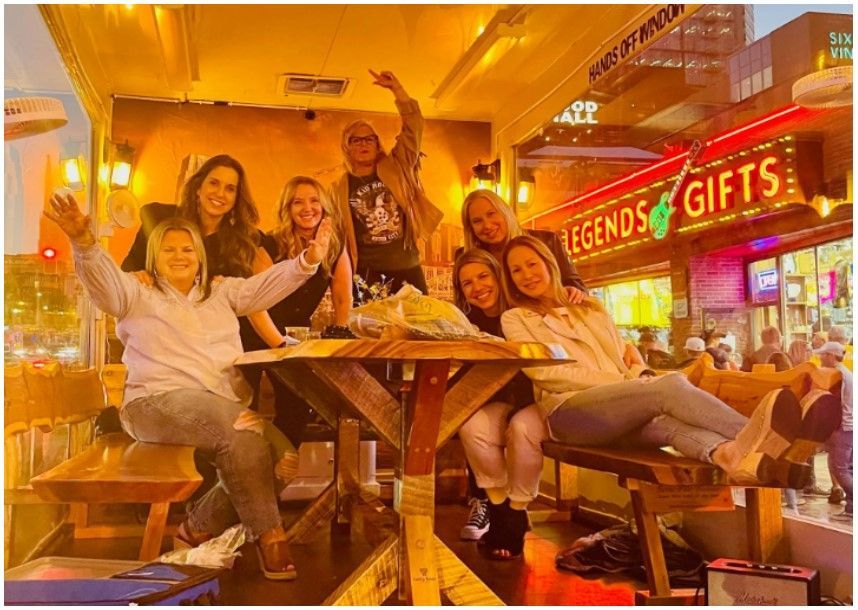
[(729, 189), (636, 36)]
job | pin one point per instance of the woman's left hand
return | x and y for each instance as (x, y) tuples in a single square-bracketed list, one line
[(632, 356), (317, 249), (574, 295)]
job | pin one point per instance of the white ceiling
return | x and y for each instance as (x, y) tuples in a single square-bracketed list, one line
[(235, 53)]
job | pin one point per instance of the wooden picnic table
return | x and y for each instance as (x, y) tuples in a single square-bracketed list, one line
[(330, 374)]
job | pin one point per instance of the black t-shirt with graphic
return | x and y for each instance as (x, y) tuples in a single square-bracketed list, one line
[(379, 226)]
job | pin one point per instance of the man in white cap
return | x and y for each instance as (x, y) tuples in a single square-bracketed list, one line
[(840, 444), (694, 348)]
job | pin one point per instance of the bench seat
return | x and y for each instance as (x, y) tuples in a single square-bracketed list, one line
[(661, 480), (116, 469)]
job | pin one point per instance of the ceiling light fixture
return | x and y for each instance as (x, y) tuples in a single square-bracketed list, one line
[(506, 25)]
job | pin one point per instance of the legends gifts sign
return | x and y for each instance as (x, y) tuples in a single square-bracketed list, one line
[(724, 190)]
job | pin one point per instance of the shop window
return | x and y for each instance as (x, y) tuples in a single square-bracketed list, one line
[(640, 303), (44, 307), (834, 264)]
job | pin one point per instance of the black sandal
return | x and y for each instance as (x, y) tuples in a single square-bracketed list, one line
[(508, 540)]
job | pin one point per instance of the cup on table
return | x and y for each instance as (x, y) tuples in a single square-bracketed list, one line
[(299, 333)]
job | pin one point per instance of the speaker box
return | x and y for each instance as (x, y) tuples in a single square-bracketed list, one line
[(734, 582)]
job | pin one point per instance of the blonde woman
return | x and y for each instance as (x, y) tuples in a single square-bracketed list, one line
[(606, 398), (489, 224), (181, 338), (302, 207)]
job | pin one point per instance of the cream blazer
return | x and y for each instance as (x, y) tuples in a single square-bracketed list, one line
[(552, 385)]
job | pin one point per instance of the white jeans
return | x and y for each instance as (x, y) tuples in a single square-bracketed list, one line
[(484, 438)]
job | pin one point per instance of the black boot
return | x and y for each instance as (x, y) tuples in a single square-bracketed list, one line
[(496, 517)]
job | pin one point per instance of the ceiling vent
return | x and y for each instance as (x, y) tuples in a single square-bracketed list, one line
[(306, 84)]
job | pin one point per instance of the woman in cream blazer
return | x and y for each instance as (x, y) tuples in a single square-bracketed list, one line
[(608, 398)]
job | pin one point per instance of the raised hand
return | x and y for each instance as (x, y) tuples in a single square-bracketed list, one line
[(389, 81), (65, 212), (318, 246)]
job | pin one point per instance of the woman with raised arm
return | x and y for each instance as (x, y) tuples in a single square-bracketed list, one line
[(303, 206), (181, 339), (217, 199)]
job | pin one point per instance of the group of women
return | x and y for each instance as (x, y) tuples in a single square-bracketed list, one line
[(204, 263)]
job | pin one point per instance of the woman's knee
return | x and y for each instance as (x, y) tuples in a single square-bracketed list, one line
[(528, 426)]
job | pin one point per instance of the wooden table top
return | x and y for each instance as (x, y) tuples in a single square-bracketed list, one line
[(508, 352)]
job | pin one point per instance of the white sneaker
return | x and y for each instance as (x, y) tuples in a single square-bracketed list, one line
[(478, 520)]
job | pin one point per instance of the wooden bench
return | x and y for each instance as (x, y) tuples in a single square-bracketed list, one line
[(662, 481), (116, 469), (112, 469)]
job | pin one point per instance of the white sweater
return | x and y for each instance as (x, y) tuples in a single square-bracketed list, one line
[(173, 341)]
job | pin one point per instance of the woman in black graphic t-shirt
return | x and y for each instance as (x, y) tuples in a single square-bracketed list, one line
[(380, 199)]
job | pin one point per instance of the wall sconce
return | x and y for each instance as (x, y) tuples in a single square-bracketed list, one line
[(486, 176), (72, 166), (123, 162), (526, 188)]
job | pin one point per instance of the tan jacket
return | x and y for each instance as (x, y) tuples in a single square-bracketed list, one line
[(552, 385), (399, 172)]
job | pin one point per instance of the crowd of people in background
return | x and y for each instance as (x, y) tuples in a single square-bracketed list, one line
[(207, 255)]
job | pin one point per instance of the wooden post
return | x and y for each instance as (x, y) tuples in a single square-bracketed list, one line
[(651, 549), (150, 548), (765, 525)]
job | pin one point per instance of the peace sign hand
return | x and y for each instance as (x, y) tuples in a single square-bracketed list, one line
[(65, 212), (317, 249)]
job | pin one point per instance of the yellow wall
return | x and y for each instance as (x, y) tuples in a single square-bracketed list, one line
[(274, 145)]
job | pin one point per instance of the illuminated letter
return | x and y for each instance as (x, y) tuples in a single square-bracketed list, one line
[(627, 222), (697, 199), (772, 179), (587, 234), (598, 225), (745, 170), (564, 237), (710, 193), (576, 239), (611, 227), (642, 217), (723, 188)]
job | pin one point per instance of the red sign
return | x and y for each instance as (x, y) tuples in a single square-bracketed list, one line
[(722, 190)]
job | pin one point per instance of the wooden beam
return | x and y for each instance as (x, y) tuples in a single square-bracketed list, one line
[(315, 517), (765, 525), (651, 549), (425, 401), (299, 378), (362, 392), (420, 550), (458, 584), (373, 581), (150, 548)]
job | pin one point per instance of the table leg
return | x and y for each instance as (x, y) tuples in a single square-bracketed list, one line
[(651, 549), (346, 469)]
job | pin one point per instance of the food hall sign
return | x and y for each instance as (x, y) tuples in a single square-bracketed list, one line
[(724, 190)]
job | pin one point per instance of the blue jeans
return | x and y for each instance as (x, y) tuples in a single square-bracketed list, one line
[(246, 490), (651, 412), (840, 462)]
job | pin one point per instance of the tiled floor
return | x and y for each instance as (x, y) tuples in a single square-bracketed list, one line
[(817, 508)]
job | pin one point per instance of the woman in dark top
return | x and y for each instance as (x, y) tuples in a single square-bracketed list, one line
[(303, 205), (217, 199), (502, 439), (489, 223)]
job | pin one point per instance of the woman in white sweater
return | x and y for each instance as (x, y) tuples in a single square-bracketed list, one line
[(608, 398), (181, 339)]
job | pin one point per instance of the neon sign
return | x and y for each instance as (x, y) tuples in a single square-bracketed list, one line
[(722, 190), (767, 280), (840, 45)]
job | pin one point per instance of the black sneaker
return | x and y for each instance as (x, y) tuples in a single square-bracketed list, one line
[(478, 520)]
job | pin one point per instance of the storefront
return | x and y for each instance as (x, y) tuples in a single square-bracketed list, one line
[(759, 231)]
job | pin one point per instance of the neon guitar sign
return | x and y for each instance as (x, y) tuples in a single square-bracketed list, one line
[(659, 215)]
